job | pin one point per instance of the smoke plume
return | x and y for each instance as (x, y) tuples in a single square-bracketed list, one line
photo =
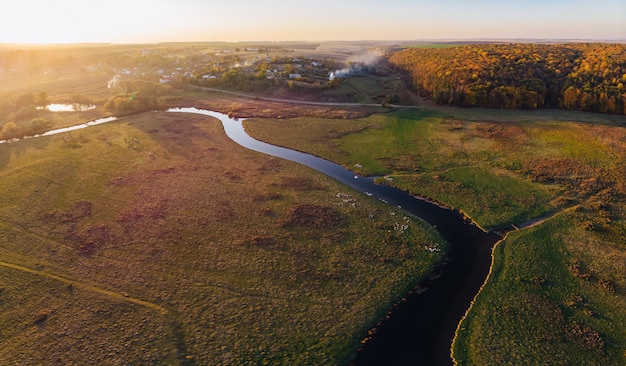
[(357, 65)]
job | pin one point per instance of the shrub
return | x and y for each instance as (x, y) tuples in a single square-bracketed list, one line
[(313, 216), (11, 131)]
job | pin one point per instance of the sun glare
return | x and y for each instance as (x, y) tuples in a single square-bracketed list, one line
[(117, 21)]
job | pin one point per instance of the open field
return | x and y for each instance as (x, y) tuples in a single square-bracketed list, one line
[(546, 304), (463, 164), (504, 168), (156, 240), (502, 115)]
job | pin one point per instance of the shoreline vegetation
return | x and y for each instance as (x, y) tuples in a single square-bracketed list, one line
[(528, 169)]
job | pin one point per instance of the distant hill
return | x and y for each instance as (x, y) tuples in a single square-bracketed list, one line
[(577, 76)]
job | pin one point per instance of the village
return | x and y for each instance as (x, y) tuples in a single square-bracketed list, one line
[(246, 69)]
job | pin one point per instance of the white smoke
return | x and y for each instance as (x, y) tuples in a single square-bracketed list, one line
[(113, 82), (369, 58), (343, 73), (357, 65)]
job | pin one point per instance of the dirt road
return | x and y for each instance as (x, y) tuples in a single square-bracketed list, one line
[(304, 102)]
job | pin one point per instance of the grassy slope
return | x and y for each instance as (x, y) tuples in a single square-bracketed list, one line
[(516, 166), (155, 239)]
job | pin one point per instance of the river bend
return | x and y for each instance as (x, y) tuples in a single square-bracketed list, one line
[(419, 330)]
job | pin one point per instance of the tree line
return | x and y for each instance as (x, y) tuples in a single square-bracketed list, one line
[(586, 77), (135, 96), (22, 108)]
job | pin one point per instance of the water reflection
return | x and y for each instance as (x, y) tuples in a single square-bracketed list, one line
[(67, 107)]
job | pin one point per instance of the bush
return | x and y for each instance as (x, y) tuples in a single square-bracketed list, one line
[(11, 131), (313, 216), (37, 127)]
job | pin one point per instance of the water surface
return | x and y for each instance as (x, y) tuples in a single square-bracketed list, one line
[(419, 330)]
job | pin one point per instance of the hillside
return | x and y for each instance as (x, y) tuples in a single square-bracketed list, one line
[(586, 77)]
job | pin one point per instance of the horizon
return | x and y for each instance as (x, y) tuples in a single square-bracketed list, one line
[(404, 42), (166, 21)]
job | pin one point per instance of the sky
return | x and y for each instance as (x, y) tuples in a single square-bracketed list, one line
[(139, 21)]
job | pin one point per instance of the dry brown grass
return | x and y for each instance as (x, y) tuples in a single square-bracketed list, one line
[(157, 240)]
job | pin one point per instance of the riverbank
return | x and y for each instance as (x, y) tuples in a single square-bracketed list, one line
[(568, 318), (432, 316), (227, 241), (501, 174)]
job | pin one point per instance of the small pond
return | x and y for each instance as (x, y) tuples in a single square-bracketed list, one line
[(68, 107)]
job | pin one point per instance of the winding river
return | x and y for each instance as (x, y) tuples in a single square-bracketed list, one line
[(418, 330)]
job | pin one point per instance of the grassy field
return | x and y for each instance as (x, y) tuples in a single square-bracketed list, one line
[(370, 89), (557, 290), (465, 165), (544, 304), (156, 240)]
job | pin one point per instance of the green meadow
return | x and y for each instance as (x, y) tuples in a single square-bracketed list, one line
[(447, 160), (556, 292), (546, 302)]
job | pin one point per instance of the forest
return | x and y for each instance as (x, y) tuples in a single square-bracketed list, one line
[(578, 76)]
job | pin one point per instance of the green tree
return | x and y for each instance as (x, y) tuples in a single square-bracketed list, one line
[(40, 99), (24, 100), (38, 126), (262, 73), (10, 131), (231, 76)]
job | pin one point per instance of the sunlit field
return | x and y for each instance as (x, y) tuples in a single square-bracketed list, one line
[(155, 239), (524, 167)]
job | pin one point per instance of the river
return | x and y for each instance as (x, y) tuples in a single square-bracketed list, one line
[(418, 330)]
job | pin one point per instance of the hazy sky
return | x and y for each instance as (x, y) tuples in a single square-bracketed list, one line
[(128, 21)]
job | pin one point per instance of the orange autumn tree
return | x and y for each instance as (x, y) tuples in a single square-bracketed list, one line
[(588, 77)]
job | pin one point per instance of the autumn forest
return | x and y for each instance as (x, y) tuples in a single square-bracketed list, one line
[(586, 77)]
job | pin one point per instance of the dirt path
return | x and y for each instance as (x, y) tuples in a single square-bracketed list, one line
[(304, 102), (109, 293)]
